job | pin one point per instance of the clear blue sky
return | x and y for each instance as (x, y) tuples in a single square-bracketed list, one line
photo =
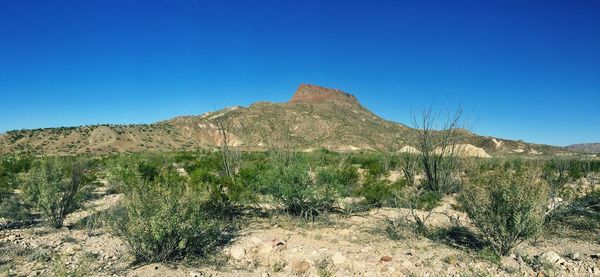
[(527, 69)]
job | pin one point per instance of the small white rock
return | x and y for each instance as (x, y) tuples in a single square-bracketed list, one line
[(575, 256), (338, 258), (256, 240), (551, 258), (237, 252)]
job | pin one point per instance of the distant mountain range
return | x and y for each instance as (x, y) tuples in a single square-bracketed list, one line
[(315, 117), (589, 148)]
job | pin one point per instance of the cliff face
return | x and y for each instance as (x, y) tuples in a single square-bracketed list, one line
[(315, 94)]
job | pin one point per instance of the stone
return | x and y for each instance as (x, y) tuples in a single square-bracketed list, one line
[(300, 267), (554, 203), (237, 252), (511, 262), (279, 246), (520, 260), (338, 258), (575, 256), (255, 240), (386, 259), (265, 249), (552, 259)]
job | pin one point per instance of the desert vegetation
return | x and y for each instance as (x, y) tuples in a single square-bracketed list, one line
[(191, 205)]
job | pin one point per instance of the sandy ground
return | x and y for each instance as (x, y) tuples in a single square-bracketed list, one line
[(354, 245)]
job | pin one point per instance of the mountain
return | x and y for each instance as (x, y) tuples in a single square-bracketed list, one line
[(589, 148), (315, 117)]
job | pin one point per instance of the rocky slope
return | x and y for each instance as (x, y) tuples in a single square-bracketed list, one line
[(315, 117), (590, 148)]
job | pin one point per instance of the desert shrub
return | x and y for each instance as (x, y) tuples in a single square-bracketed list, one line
[(183, 157), (488, 254), (10, 168), (506, 206), (379, 193), (342, 181), (582, 214), (323, 157), (438, 152), (426, 200), (149, 169), (347, 176), (55, 187), (11, 208), (5, 187), (408, 164), (376, 168), (420, 203), (398, 228), (118, 170), (440, 174), (224, 193), (250, 176), (556, 174), (372, 162), (301, 194), (166, 218)]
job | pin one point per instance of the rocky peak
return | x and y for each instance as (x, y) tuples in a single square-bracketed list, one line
[(315, 94)]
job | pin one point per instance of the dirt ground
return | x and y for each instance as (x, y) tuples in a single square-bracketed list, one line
[(355, 245)]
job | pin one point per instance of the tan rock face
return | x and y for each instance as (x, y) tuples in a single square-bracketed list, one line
[(314, 94)]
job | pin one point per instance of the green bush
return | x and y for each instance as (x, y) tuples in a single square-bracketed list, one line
[(224, 193), (417, 199), (11, 208), (300, 193), (10, 168), (166, 218), (507, 206), (348, 178), (55, 187), (379, 193), (581, 215), (555, 173), (427, 200)]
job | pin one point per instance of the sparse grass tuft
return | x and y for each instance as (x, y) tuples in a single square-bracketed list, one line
[(325, 267)]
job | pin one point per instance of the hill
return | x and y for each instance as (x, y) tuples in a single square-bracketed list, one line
[(589, 148), (315, 117)]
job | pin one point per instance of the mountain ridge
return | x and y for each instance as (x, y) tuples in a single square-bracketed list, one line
[(589, 148), (315, 117)]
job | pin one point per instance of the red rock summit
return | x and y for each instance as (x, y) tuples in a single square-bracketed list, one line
[(314, 94)]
